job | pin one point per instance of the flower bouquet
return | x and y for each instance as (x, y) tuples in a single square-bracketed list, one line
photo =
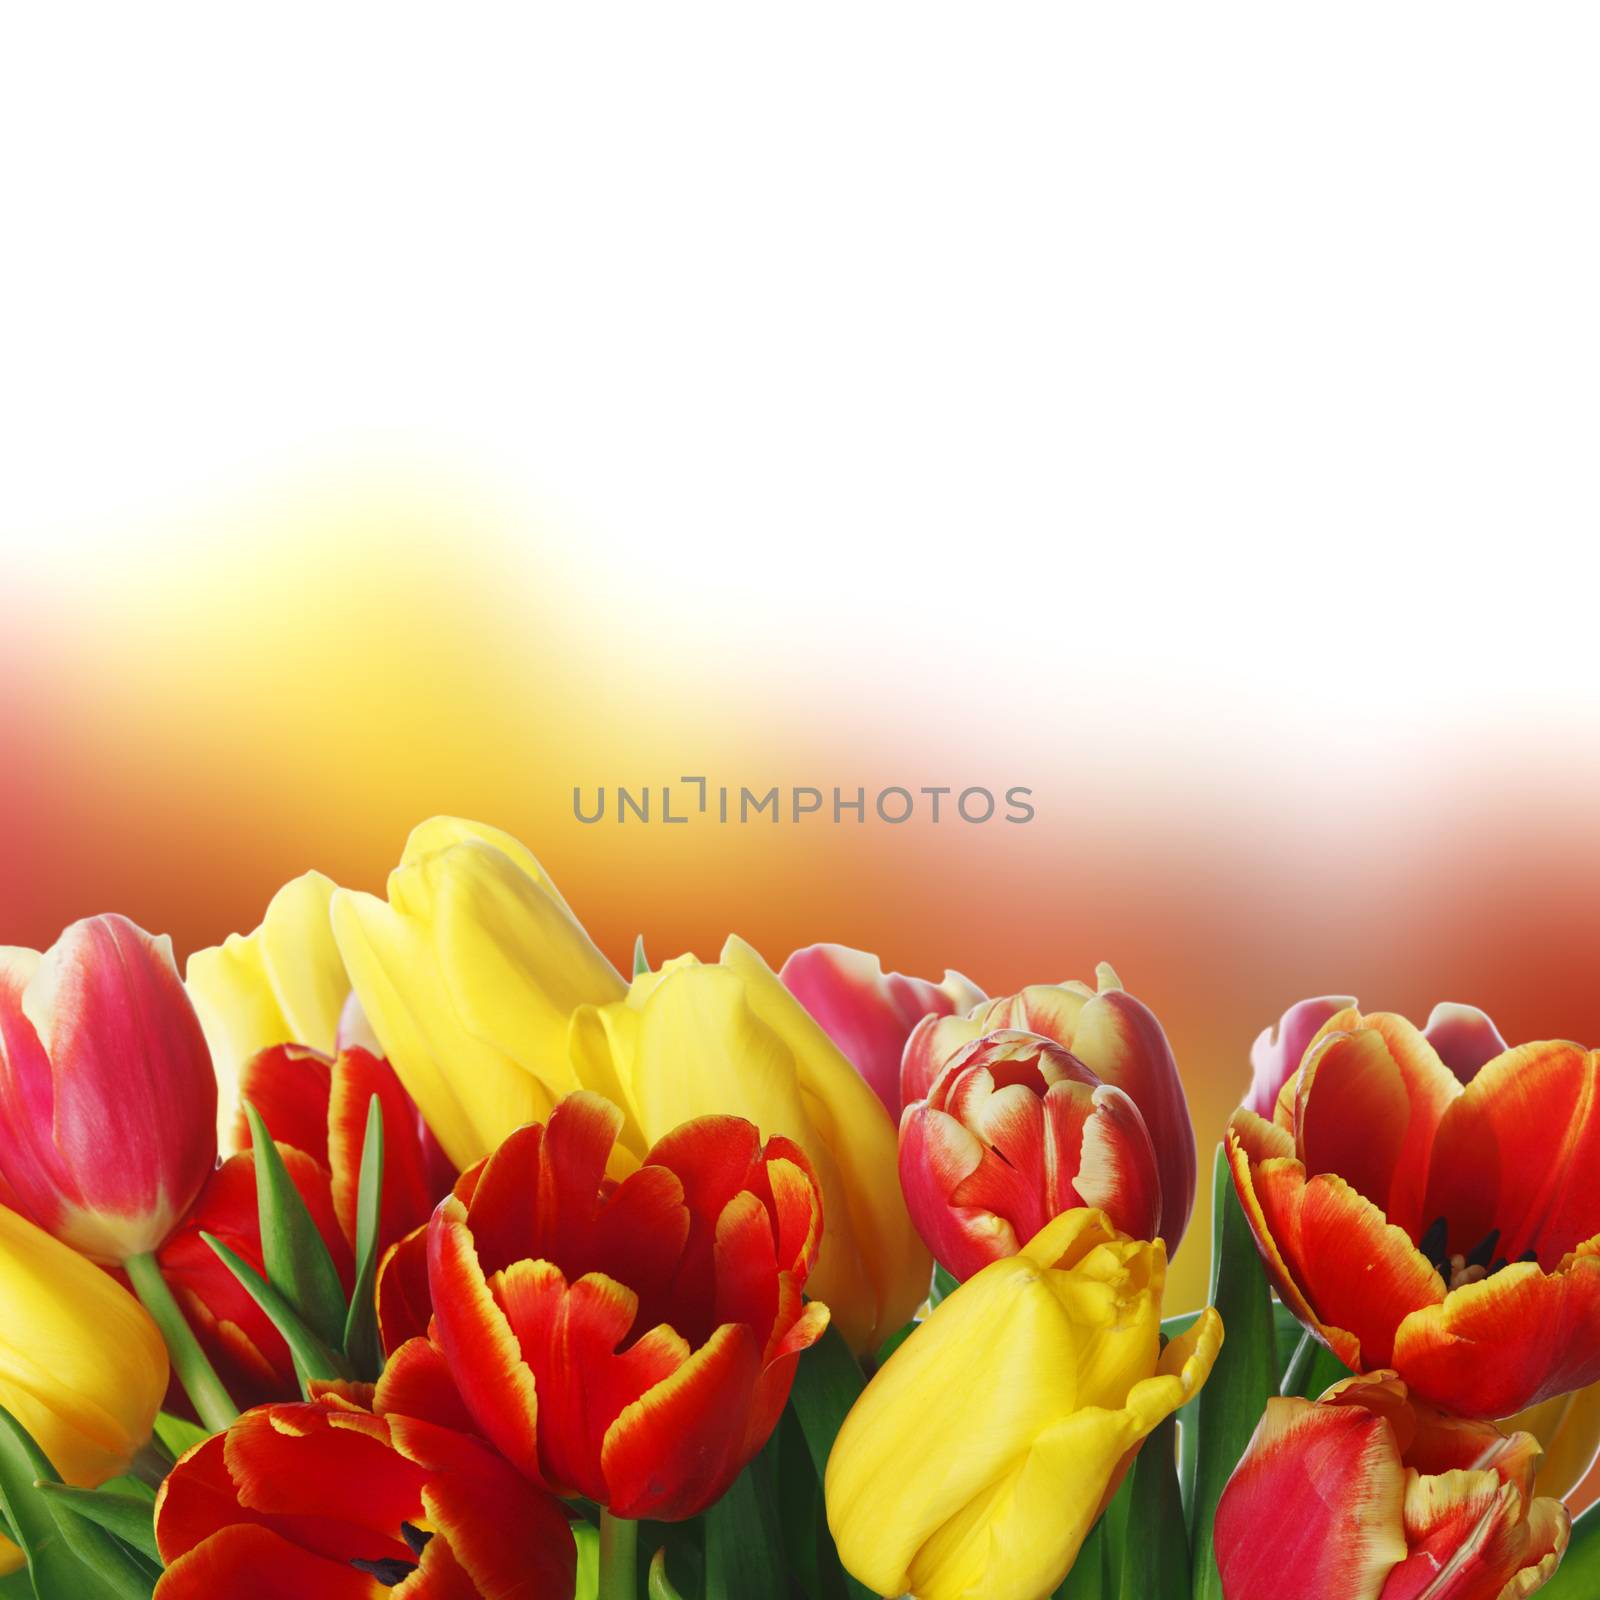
[(404, 1248)]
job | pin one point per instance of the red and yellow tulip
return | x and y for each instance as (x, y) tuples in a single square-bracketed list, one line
[(1115, 1036), (632, 1341), (1414, 1222), (1016, 1130), (319, 1105), (356, 1496), (869, 1013), (107, 1099), (1368, 1494)]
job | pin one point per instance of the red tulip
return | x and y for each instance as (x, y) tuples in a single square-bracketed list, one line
[(319, 1104), (1414, 1222), (869, 1013), (1367, 1494), (1016, 1130), (1463, 1036), (248, 1352), (1115, 1036), (108, 1103), (633, 1341), (356, 1494)]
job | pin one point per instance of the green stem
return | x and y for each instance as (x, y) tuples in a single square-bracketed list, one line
[(212, 1402), (619, 1557)]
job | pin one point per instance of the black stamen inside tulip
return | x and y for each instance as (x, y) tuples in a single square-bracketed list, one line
[(417, 1538), (1432, 1244), (1482, 1253), (389, 1572)]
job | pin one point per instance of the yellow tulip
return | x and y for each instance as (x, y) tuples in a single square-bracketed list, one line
[(690, 1039), (82, 1366), (978, 1458), (469, 974), (1568, 1430), (282, 983)]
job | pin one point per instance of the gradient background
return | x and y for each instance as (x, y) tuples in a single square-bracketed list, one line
[(1191, 422)]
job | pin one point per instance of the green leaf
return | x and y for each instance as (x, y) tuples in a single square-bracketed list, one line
[(744, 1542), (1154, 1556), (56, 1546), (360, 1343), (1175, 1326), (17, 1586), (296, 1258), (827, 1382), (212, 1402), (1579, 1575), (1087, 1579), (178, 1434), (312, 1358), (1244, 1378), (641, 962), (660, 1585), (944, 1284), (130, 1518)]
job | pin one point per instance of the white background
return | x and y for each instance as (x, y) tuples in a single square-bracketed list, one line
[(1247, 355)]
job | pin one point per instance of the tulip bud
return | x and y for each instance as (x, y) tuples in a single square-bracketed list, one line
[(1015, 1131), (283, 983), (469, 974), (1115, 1036), (82, 1366), (979, 1456), (107, 1098), (1368, 1494), (869, 1013)]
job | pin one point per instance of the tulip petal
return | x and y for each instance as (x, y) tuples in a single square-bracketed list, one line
[(405, 1306), (249, 1562), (496, 1382), (695, 1415), (1328, 1484), (1375, 1121), (508, 1540), (1508, 1341), (1337, 1261), (289, 1085), (1520, 1151), (1464, 1038), (408, 1192)]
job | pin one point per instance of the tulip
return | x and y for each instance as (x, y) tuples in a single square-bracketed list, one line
[(1015, 1131), (247, 1351), (631, 1342), (1115, 1036), (1463, 1037), (281, 983), (319, 1105), (354, 1494), (107, 1099), (1368, 1494), (689, 1040), (869, 1013), (979, 1456), (469, 974), (82, 1366), (1412, 1221)]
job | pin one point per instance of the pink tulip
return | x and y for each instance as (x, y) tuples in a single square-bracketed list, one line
[(108, 1103), (1015, 1131), (868, 1012), (1115, 1036)]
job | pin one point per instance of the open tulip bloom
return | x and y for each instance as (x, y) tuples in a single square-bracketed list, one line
[(408, 1249)]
